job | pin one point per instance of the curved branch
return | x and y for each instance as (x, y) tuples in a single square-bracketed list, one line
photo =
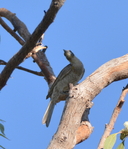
[(18, 25), (8, 29), (81, 95), (39, 58), (31, 42)]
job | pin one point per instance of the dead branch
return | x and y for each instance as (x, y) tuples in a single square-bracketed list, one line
[(19, 26), (109, 127), (34, 50), (9, 30), (24, 69), (40, 57), (41, 62), (31, 41), (81, 95)]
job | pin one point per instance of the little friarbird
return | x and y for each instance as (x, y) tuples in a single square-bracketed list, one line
[(72, 73)]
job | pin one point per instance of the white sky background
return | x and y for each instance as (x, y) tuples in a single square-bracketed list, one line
[(96, 31)]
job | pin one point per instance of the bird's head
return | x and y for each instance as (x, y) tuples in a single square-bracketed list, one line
[(68, 54)]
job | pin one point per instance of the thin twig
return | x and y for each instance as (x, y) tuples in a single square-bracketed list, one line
[(8, 29), (110, 126), (24, 69)]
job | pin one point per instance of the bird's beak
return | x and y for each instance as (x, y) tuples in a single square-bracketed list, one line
[(65, 51)]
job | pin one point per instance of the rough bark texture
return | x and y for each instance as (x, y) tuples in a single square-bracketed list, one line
[(74, 127), (8, 29), (83, 132), (80, 97), (31, 40)]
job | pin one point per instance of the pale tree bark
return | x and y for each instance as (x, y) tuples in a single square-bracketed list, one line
[(74, 126), (80, 97), (110, 126)]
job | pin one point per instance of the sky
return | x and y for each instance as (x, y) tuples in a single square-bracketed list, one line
[(96, 32)]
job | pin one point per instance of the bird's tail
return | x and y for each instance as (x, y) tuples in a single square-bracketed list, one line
[(48, 113)]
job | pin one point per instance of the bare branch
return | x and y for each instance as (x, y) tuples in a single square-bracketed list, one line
[(35, 50), (24, 69), (38, 47), (31, 42), (109, 127), (8, 29), (81, 95), (42, 61), (18, 25)]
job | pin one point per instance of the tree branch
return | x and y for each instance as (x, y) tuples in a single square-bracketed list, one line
[(31, 41), (109, 127), (81, 95), (8, 29), (40, 63), (18, 25), (24, 69), (43, 62)]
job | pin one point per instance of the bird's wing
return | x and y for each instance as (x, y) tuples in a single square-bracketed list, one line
[(61, 75)]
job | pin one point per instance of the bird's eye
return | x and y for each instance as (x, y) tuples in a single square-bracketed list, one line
[(71, 53)]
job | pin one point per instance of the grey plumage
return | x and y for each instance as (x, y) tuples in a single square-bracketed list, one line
[(72, 73)]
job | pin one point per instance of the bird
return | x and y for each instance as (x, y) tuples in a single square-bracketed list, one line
[(72, 73)]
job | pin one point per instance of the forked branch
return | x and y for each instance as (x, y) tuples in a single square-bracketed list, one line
[(31, 41), (109, 127)]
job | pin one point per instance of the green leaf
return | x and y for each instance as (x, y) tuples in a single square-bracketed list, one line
[(110, 141), (121, 145), (2, 147), (3, 136), (2, 128)]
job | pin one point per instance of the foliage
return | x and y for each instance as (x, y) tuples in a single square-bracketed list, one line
[(111, 140), (2, 134)]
